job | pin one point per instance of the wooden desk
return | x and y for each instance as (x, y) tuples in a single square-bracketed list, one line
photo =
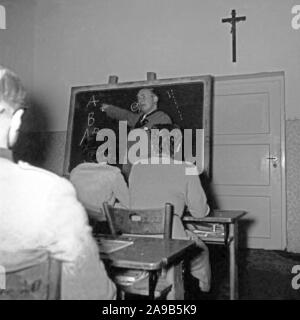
[(150, 254), (229, 218)]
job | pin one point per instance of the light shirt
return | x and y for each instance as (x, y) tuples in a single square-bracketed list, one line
[(96, 183), (39, 211), (152, 185)]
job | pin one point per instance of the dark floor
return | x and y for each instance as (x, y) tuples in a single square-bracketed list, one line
[(263, 275)]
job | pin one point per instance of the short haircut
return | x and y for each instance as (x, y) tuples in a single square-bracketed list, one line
[(12, 91), (152, 90)]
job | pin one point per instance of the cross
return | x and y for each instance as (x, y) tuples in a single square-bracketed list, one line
[(233, 20)]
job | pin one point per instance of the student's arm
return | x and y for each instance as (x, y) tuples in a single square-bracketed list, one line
[(84, 275), (195, 197), (87, 279), (120, 114)]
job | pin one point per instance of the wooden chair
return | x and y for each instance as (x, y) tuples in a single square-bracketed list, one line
[(29, 275), (147, 222), (98, 221)]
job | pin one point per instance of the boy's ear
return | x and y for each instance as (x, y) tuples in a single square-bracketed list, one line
[(16, 120), (3, 107), (14, 128)]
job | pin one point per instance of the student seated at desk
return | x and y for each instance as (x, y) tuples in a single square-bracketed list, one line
[(100, 182), (39, 210), (164, 179)]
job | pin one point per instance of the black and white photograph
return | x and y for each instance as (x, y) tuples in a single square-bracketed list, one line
[(150, 151)]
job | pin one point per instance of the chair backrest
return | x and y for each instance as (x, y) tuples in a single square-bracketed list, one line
[(98, 221), (30, 275), (140, 221), (96, 215)]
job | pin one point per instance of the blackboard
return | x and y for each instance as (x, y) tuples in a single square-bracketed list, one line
[(186, 100)]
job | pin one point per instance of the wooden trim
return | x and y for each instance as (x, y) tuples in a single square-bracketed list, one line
[(69, 135), (144, 83), (283, 163), (250, 76)]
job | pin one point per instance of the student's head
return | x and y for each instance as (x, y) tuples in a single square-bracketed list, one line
[(147, 100), (166, 139), (12, 106)]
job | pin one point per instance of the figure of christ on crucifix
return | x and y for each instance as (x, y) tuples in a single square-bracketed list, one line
[(233, 20)]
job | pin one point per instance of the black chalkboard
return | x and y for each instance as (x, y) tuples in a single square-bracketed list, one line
[(186, 100)]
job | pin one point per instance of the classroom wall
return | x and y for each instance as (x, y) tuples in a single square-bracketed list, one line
[(17, 40), (293, 183), (57, 44), (82, 42)]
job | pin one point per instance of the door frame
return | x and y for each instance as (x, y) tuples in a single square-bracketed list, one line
[(278, 76)]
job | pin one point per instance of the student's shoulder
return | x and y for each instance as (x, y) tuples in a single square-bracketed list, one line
[(85, 166), (36, 175), (30, 169), (114, 170), (189, 168)]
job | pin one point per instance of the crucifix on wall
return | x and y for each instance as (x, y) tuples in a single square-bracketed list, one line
[(233, 21)]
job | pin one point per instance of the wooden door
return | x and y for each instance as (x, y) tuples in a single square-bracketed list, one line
[(248, 155)]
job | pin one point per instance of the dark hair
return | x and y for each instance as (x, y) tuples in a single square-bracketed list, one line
[(152, 90)]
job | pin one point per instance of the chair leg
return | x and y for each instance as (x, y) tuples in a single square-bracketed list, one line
[(175, 276), (120, 294), (152, 284)]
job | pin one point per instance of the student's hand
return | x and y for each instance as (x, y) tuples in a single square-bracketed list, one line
[(192, 236)]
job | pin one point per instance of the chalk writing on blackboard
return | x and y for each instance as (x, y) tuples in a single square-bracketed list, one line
[(172, 96), (92, 101), (90, 130)]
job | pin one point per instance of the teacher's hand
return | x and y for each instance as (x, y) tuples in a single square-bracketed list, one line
[(104, 106)]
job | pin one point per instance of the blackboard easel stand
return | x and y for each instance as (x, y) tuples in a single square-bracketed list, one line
[(151, 76)]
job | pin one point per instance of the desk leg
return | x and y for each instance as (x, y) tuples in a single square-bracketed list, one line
[(233, 269), (175, 277), (152, 284), (120, 294)]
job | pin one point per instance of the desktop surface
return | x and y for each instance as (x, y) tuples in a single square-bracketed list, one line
[(147, 253)]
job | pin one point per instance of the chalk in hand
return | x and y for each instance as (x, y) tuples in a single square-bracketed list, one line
[(104, 106)]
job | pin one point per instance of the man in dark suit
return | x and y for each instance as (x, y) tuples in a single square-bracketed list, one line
[(148, 116)]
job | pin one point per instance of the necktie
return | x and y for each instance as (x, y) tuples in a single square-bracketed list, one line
[(142, 121)]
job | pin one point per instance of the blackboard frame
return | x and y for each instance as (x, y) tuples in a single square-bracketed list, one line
[(207, 82)]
